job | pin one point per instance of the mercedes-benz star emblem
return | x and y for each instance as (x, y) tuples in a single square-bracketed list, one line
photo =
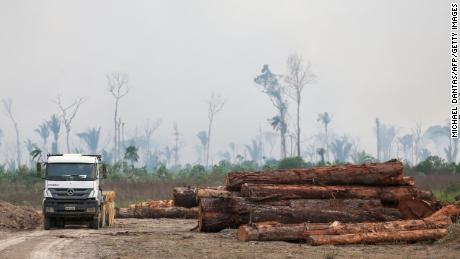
[(70, 192)]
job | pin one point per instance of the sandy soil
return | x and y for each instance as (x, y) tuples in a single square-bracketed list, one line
[(169, 238)]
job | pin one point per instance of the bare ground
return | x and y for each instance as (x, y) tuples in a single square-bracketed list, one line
[(169, 238)]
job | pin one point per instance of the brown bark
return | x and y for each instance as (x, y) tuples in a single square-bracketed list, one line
[(274, 231), (158, 212), (388, 173), (416, 209), (262, 192), (122, 213), (377, 237), (157, 209), (185, 197), (216, 214), (409, 180), (213, 192), (338, 228), (452, 210)]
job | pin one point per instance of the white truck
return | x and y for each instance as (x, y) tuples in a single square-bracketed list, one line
[(73, 192)]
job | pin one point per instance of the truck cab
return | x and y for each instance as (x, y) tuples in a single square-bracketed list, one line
[(72, 190)]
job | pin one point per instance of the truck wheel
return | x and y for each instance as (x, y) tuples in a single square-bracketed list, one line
[(47, 223), (94, 224)]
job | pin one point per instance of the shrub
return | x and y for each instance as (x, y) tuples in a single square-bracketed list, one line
[(291, 162)]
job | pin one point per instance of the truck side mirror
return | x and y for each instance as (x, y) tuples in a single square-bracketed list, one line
[(39, 169), (104, 171)]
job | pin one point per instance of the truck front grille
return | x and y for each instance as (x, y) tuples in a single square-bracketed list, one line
[(70, 193)]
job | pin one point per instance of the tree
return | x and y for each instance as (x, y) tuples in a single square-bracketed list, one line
[(407, 145), (149, 129), (270, 86), (325, 119), (441, 133), (7, 104), (321, 152), (168, 154), (68, 113), (377, 132), (215, 105), (118, 87), (36, 153), (341, 148), (232, 147), (203, 137), (362, 157), (417, 133), (44, 131), (177, 143), (30, 146), (255, 150), (91, 138), (54, 125), (385, 137), (298, 76), (131, 154)]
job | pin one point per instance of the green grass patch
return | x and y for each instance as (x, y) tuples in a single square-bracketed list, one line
[(449, 193)]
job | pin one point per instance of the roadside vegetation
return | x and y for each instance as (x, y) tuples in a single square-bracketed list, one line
[(134, 184)]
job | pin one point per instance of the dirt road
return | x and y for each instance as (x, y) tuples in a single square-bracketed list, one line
[(168, 238)]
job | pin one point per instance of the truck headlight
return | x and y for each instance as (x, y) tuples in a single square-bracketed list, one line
[(92, 210), (49, 209), (47, 193)]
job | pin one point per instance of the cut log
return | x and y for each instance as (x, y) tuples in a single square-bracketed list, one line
[(409, 180), (274, 231), (158, 212), (153, 203), (124, 213), (185, 197), (213, 192), (216, 214), (388, 173), (377, 237), (338, 228), (392, 194), (452, 210), (416, 209)]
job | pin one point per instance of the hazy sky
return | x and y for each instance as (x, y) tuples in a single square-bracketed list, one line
[(372, 58)]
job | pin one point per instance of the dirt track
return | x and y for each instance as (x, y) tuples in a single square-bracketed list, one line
[(168, 238)]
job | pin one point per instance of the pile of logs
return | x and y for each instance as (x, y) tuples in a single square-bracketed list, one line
[(184, 206), (343, 204), (337, 233)]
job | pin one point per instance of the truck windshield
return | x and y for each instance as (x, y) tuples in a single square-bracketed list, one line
[(70, 171)]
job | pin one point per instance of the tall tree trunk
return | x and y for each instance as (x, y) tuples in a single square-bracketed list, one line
[(115, 133), (119, 149), (377, 122), (327, 143), (209, 142), (18, 144), (298, 125), (67, 132), (54, 145)]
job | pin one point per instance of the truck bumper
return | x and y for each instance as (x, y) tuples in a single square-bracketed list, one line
[(70, 208)]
